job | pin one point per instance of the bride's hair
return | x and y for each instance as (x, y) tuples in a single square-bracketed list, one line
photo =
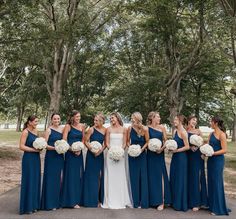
[(118, 116)]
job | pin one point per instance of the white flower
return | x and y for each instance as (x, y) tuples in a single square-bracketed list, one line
[(134, 150), (40, 143), (154, 144), (171, 145), (207, 150), (77, 146), (61, 146), (196, 140), (96, 146), (116, 153)]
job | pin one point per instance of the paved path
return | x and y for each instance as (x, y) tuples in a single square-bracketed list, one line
[(9, 209)]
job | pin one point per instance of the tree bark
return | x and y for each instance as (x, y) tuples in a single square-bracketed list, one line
[(20, 114), (234, 129)]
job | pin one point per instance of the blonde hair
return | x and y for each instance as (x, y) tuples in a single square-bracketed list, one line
[(138, 117), (101, 117), (118, 116), (151, 115)]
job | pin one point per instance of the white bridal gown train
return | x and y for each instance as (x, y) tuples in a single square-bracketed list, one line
[(116, 184)]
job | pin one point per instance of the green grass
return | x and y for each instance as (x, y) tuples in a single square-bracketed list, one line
[(9, 136), (231, 156)]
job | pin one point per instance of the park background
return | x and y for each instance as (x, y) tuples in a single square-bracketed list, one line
[(122, 55)]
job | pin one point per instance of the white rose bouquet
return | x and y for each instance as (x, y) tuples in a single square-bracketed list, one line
[(116, 153), (171, 145), (40, 143), (196, 140), (207, 150), (96, 146), (77, 146), (134, 150), (61, 146), (154, 144)]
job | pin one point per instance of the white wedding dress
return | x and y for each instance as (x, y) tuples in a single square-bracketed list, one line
[(116, 184)]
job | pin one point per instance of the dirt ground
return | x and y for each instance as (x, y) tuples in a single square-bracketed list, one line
[(10, 170), (10, 167)]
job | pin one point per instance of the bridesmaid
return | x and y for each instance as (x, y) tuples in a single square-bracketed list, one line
[(73, 167), (94, 167), (138, 134), (178, 167), (53, 166), (215, 168), (158, 182), (31, 170), (197, 191)]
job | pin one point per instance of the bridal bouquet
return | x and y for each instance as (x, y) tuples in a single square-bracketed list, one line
[(196, 140), (77, 146), (134, 150), (171, 145), (61, 146), (40, 143), (207, 150), (154, 144), (116, 153), (96, 146)]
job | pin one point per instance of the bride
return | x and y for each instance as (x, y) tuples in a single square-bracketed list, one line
[(116, 186)]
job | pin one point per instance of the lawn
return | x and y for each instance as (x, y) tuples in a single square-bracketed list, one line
[(9, 136)]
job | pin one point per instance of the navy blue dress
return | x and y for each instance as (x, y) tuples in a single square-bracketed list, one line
[(215, 168), (197, 190), (179, 177), (94, 174), (157, 173), (53, 167), (73, 173), (30, 178), (138, 173)]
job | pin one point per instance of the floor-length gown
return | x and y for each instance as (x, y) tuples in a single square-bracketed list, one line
[(30, 178), (73, 173), (94, 174), (138, 173), (197, 191), (215, 168), (53, 167), (116, 191), (157, 174), (179, 177)]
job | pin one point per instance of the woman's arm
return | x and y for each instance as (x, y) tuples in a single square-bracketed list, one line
[(124, 138), (128, 136), (87, 138), (66, 131), (22, 145), (46, 136), (107, 138)]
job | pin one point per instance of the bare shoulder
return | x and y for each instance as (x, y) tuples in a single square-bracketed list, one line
[(48, 130), (124, 129), (162, 127), (67, 127), (145, 128), (24, 133), (223, 135), (184, 133)]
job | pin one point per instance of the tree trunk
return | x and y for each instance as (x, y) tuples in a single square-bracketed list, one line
[(46, 121), (234, 129), (20, 113)]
